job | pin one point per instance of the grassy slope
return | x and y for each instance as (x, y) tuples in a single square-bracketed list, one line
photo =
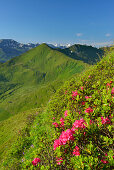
[(42, 134), (27, 82), (12, 127), (24, 80)]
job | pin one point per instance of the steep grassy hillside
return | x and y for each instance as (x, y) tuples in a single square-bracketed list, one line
[(28, 81), (75, 130), (88, 54)]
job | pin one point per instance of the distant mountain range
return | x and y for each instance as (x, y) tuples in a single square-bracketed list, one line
[(10, 48)]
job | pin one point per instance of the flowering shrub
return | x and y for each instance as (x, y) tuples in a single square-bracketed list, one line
[(89, 110), (59, 160), (87, 140), (76, 151), (35, 161), (105, 120), (80, 130)]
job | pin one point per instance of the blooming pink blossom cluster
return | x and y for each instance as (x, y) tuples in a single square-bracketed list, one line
[(64, 137), (105, 120), (87, 97), (108, 85), (59, 160), (91, 122), (74, 93), (103, 160), (76, 151), (55, 124), (62, 122), (35, 161), (79, 124), (66, 113), (89, 110), (68, 134), (112, 92), (82, 88), (57, 143), (66, 92)]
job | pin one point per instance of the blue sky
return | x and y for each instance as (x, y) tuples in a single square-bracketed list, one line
[(58, 21)]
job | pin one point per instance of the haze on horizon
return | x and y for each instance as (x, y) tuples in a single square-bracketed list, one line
[(63, 22)]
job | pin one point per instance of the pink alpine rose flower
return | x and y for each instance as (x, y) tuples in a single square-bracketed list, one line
[(66, 92), (87, 97), (74, 93), (82, 88), (55, 124), (89, 110), (35, 161), (112, 92), (62, 122), (104, 161), (59, 160), (76, 151), (91, 122), (79, 124), (62, 119), (105, 120), (108, 85), (66, 113), (66, 136), (57, 143)]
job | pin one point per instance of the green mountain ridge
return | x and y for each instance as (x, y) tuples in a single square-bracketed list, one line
[(38, 70), (87, 54), (10, 49)]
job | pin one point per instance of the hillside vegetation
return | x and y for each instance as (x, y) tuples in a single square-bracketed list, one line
[(75, 129), (26, 83)]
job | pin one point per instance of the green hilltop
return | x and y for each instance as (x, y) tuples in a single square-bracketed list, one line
[(28, 81)]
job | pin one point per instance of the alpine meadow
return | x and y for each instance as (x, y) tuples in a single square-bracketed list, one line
[(51, 105), (56, 85)]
